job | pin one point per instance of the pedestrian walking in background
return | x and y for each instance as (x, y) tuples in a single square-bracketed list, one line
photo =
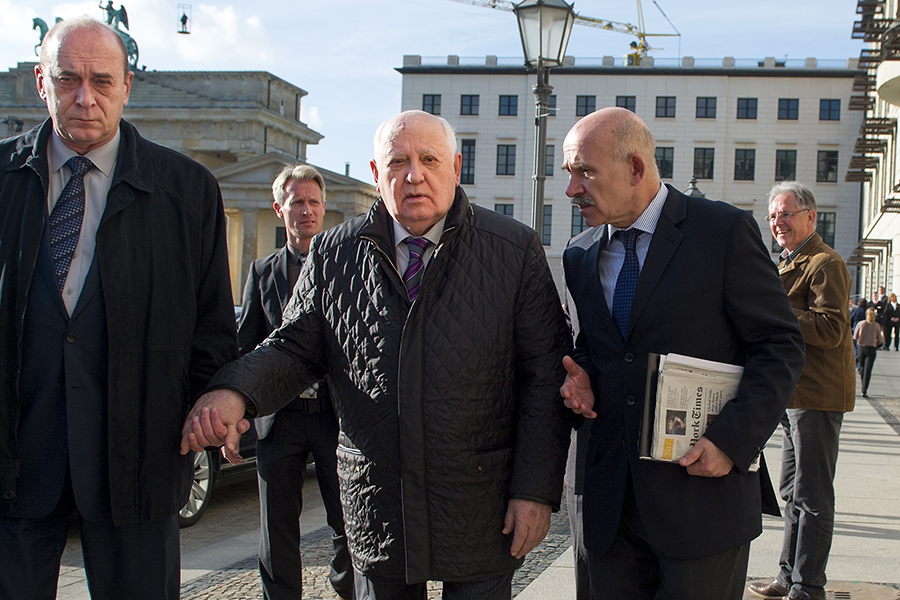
[(868, 336)]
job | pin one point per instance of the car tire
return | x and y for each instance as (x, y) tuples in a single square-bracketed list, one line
[(201, 489)]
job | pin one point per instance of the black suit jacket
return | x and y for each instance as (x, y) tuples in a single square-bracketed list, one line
[(266, 293), (707, 289)]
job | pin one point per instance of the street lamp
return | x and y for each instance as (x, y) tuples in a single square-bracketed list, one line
[(544, 26)]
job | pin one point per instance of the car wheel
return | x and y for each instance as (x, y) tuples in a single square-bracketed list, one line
[(201, 490)]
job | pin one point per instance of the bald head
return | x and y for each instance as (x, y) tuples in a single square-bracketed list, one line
[(610, 157), (416, 119), (55, 38)]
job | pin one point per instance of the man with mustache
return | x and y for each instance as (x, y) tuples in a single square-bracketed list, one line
[(664, 273), (439, 330), (305, 426)]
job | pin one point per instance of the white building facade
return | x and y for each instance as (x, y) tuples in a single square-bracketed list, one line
[(877, 93), (739, 126)]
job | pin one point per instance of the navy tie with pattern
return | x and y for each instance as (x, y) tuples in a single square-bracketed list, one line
[(413, 276), (626, 283), (65, 221)]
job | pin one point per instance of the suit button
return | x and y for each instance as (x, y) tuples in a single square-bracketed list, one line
[(629, 358), (629, 400), (70, 337), (9, 495)]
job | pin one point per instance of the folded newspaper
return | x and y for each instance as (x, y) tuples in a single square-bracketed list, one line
[(684, 395)]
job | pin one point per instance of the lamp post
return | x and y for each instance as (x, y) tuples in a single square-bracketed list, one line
[(544, 26)]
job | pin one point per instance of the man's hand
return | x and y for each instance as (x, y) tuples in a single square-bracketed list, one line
[(529, 522), (576, 389), (706, 460), (217, 419)]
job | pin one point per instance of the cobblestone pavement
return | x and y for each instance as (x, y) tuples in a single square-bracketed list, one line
[(240, 581)]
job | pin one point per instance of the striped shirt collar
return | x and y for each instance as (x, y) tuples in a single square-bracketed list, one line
[(790, 256)]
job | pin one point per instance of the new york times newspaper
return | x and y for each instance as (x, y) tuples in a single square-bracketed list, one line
[(689, 394)]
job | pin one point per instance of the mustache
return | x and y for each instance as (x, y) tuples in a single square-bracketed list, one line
[(583, 201)]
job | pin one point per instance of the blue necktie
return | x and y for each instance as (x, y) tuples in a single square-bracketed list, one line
[(626, 283), (413, 276), (65, 221)]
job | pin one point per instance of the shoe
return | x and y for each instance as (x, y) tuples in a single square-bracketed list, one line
[(865, 395), (770, 591)]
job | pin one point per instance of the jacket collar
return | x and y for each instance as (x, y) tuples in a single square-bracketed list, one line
[(133, 164), (813, 246)]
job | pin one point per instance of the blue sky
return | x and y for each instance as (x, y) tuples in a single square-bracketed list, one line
[(344, 52)]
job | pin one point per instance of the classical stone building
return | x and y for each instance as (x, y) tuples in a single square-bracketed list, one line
[(738, 125), (244, 126)]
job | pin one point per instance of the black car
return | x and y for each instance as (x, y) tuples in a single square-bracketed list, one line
[(212, 470)]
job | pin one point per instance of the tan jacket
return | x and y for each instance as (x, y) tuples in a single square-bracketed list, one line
[(818, 285)]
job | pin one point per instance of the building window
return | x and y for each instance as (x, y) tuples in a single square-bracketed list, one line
[(625, 102), (506, 159), (829, 110), (665, 106), (706, 108), (551, 106), (826, 167), (665, 161), (746, 108), (776, 248), (504, 209), (431, 103), (825, 226), (551, 158), (548, 224), (704, 161), (468, 105), (785, 165), (467, 173), (787, 109), (578, 224), (585, 105), (281, 237), (744, 164), (509, 106)]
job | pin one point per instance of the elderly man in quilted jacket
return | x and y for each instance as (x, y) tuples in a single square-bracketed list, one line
[(439, 330)]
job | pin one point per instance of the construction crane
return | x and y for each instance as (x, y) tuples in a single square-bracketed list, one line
[(639, 48)]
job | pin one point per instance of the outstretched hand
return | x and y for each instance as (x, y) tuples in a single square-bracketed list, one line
[(576, 389), (217, 419)]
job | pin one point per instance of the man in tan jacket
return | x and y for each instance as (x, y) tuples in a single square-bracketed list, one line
[(818, 285)]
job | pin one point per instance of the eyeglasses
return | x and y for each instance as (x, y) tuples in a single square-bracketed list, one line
[(785, 215)]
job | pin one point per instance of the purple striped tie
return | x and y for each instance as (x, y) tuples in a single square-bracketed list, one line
[(65, 221), (413, 276)]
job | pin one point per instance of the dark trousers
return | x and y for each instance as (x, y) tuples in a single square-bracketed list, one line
[(575, 506), (866, 362), (631, 570), (139, 561), (281, 461), (383, 588), (891, 329), (809, 457)]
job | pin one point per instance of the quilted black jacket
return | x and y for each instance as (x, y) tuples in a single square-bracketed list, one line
[(448, 407)]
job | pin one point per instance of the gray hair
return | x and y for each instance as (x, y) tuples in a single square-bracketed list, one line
[(295, 173), (633, 137), (805, 198), (83, 22), (387, 130)]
